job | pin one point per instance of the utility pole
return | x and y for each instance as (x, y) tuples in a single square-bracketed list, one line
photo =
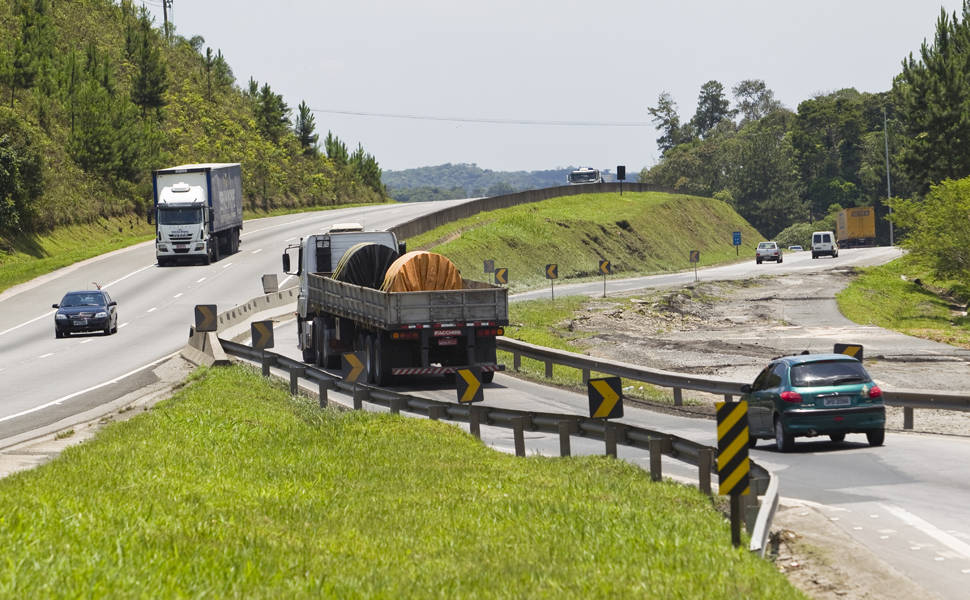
[(889, 188), (166, 4)]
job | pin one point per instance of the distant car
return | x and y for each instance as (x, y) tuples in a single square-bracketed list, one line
[(768, 251), (84, 311), (814, 394), (795, 248)]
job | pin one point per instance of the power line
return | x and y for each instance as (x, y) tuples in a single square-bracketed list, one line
[(356, 113)]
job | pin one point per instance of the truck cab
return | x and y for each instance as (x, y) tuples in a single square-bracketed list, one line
[(182, 218)]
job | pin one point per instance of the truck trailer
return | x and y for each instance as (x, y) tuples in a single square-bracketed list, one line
[(856, 227), (198, 212), (401, 334)]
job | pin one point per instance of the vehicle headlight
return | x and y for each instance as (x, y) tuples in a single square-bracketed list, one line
[(101, 314), (60, 316)]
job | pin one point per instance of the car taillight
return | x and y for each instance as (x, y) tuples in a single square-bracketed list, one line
[(791, 396), (875, 392)]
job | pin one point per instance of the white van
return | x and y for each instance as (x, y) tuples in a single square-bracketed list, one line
[(823, 243)]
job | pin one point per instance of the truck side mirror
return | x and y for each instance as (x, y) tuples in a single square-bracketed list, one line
[(286, 262)]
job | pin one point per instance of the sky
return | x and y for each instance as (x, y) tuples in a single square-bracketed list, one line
[(543, 84)]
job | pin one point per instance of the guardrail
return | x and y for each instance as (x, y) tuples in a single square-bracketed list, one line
[(656, 443), (906, 398)]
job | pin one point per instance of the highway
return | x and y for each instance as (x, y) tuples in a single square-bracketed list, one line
[(906, 501)]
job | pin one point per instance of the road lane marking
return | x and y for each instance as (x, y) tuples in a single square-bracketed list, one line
[(92, 388), (929, 529), (178, 295), (201, 280), (257, 251), (123, 325), (46, 355), (227, 265), (152, 309), (88, 340), (285, 279)]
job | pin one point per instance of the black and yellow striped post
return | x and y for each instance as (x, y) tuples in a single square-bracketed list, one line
[(605, 268), (854, 350), (552, 274), (733, 465)]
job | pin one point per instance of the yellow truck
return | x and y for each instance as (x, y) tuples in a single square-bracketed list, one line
[(856, 227)]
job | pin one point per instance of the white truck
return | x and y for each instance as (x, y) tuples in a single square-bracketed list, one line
[(401, 334), (198, 212)]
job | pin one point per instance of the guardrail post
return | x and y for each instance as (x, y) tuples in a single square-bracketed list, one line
[(323, 386), (295, 374), (360, 394), (518, 433), (566, 428), (705, 458), (678, 397), (268, 360), (548, 369), (609, 435), (436, 412), (474, 425), (396, 403), (907, 417), (655, 445), (585, 376), (728, 398), (516, 361), (749, 508)]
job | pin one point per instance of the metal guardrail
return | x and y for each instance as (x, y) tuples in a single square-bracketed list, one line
[(906, 398), (656, 443)]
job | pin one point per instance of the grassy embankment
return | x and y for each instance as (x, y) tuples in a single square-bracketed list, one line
[(640, 233), (232, 488), (930, 309), (26, 257)]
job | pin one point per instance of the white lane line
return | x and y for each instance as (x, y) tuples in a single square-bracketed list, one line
[(929, 529), (285, 279), (123, 325), (87, 340), (227, 265), (94, 387), (46, 355), (152, 309), (48, 314), (177, 295), (201, 280), (257, 251)]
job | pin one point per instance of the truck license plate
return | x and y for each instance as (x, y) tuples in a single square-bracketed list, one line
[(448, 341), (180, 246)]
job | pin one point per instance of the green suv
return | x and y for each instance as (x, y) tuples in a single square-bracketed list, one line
[(814, 394)]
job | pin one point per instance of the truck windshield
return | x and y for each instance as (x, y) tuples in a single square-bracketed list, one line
[(179, 216)]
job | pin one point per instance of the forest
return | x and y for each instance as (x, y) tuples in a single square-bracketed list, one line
[(444, 182), (94, 95)]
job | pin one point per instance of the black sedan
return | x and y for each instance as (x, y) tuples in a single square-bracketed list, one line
[(92, 310)]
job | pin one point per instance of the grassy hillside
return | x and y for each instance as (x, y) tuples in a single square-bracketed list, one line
[(233, 489), (644, 232), (79, 134)]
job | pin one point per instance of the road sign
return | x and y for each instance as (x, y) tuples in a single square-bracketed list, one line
[(620, 172), (206, 317), (489, 266), (854, 350), (552, 271), (469, 385), (353, 366), (737, 238), (605, 267), (501, 276), (262, 334), (733, 465), (695, 256), (605, 398)]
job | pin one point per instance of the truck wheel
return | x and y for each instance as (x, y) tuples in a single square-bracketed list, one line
[(369, 357), (382, 375), (488, 376), (310, 356), (328, 358)]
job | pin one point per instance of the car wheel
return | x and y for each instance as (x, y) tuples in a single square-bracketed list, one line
[(752, 441), (758, 260), (780, 260), (784, 440), (837, 437), (814, 256), (58, 334), (488, 376), (876, 437)]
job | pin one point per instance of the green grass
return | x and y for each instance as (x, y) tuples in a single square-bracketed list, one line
[(932, 310), (234, 489), (547, 323), (640, 233)]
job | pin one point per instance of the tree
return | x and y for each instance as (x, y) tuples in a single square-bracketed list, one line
[(33, 47), (336, 150), (151, 80), (272, 114), (305, 129), (366, 169), (21, 173), (933, 95), (938, 228), (666, 119), (754, 99), (712, 108)]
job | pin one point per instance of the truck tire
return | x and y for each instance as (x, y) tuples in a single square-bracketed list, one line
[(488, 376), (380, 363), (328, 358)]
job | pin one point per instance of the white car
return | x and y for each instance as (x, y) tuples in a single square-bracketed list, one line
[(767, 251)]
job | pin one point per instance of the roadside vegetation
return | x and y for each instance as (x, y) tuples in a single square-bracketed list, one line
[(233, 488), (639, 233)]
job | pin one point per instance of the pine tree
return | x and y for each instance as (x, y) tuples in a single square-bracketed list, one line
[(305, 129), (151, 80), (712, 108), (336, 150)]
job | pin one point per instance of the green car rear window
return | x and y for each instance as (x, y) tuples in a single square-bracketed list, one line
[(830, 372)]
